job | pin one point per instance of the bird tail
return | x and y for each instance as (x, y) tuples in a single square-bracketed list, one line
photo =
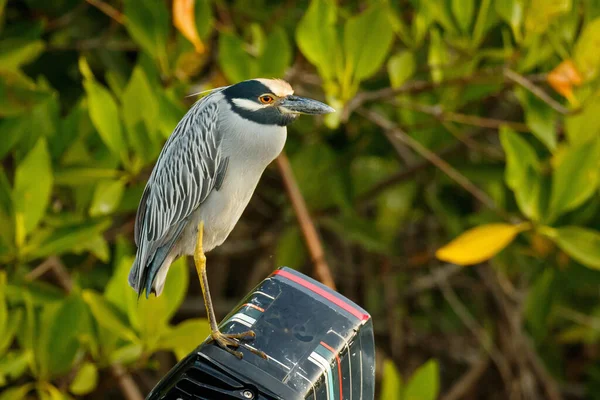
[(134, 274), (142, 277)]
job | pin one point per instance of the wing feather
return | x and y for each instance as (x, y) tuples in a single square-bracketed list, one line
[(189, 167)]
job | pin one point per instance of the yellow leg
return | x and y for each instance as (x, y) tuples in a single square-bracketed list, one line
[(225, 341)]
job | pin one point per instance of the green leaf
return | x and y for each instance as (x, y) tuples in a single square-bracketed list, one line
[(175, 287), (185, 337), (316, 37), (13, 323), (512, 12), (16, 393), (437, 57), (437, 11), (580, 243), (86, 379), (59, 339), (204, 18), (539, 117), (424, 384), (323, 184), (575, 178), (104, 113), (463, 11), (587, 50), (148, 24), (583, 126), (33, 185), (541, 13), (236, 64), (277, 54), (539, 304), (3, 310), (13, 365), (141, 106), (483, 23), (393, 208), (47, 391), (392, 382), (170, 113), (15, 52), (107, 196), (356, 229), (12, 131), (401, 67), (522, 173), (127, 354), (66, 239), (151, 316), (96, 245), (18, 93), (291, 250), (367, 41), (109, 317), (84, 176), (27, 334), (117, 290)]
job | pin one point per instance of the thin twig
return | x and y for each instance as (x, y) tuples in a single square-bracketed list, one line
[(398, 134), (428, 282), (468, 381), (413, 87), (40, 270), (478, 332), (108, 10), (524, 348), (465, 119), (311, 236), (55, 265), (129, 388), (536, 91), (390, 296)]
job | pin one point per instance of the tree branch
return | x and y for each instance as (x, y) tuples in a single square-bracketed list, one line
[(488, 77), (466, 382), (311, 236), (108, 10), (465, 119), (394, 132), (536, 91)]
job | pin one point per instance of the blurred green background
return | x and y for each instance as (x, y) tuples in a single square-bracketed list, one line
[(467, 133)]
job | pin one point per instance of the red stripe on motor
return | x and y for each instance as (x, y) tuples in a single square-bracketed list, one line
[(328, 347), (322, 293)]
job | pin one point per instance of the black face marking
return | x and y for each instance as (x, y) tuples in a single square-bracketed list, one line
[(252, 90)]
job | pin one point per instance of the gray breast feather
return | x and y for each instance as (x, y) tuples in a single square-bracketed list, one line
[(189, 167)]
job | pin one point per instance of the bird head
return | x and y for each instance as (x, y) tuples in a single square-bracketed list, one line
[(270, 102)]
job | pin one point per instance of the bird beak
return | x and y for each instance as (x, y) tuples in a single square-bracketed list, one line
[(301, 105)]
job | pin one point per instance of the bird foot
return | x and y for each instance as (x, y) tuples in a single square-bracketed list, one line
[(228, 342)]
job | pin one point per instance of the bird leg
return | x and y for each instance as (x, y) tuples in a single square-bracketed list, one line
[(225, 340)]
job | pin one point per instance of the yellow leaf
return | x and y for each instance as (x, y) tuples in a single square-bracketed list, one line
[(564, 77), (185, 21), (480, 243)]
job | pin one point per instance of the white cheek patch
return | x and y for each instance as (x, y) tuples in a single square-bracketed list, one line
[(249, 104)]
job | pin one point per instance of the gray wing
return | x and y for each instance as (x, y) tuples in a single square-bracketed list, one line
[(189, 167)]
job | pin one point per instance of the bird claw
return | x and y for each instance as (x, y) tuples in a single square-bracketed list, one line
[(228, 342)]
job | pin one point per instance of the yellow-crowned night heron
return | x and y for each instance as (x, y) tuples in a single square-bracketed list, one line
[(204, 178)]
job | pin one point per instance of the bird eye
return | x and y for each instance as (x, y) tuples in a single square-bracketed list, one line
[(266, 99)]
